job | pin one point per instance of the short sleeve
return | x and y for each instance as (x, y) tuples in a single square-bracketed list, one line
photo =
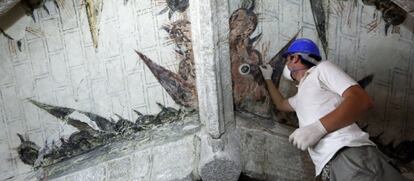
[(292, 102), (334, 78)]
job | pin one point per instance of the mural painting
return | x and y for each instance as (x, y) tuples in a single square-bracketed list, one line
[(27, 8), (250, 94), (391, 13), (180, 86), (97, 130), (249, 90), (319, 9), (173, 6)]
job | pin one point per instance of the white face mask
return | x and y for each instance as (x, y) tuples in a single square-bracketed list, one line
[(287, 73)]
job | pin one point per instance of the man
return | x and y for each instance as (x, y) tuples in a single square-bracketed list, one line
[(327, 103)]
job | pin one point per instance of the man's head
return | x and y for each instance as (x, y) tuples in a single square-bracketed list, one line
[(306, 49), (301, 55)]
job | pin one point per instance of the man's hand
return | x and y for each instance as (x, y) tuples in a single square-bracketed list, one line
[(267, 71), (307, 136)]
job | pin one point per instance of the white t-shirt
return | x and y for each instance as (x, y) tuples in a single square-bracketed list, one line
[(319, 93)]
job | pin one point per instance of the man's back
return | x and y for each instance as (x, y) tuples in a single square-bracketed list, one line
[(319, 93)]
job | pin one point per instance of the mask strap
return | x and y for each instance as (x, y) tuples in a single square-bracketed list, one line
[(306, 57)]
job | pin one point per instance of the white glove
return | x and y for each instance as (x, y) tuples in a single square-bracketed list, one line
[(267, 71), (307, 136)]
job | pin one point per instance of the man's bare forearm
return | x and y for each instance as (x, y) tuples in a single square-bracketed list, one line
[(356, 102), (277, 97)]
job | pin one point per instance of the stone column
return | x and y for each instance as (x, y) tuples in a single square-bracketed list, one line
[(220, 145)]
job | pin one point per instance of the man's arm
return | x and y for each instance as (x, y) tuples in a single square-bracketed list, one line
[(356, 102), (281, 103)]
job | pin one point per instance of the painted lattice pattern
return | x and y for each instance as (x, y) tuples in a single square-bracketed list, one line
[(59, 65)]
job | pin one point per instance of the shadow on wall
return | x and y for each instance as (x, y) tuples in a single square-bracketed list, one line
[(409, 23), (244, 177)]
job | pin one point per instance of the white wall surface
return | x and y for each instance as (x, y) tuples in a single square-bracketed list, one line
[(59, 66)]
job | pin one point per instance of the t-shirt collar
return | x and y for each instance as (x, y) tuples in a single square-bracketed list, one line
[(309, 71)]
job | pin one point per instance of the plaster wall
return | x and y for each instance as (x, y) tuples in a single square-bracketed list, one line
[(58, 65)]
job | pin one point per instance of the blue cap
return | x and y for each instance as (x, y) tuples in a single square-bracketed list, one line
[(305, 46)]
